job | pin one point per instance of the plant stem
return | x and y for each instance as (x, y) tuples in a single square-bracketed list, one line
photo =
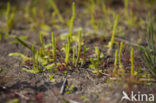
[(53, 40), (132, 62)]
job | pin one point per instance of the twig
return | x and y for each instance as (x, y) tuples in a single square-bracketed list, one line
[(63, 87)]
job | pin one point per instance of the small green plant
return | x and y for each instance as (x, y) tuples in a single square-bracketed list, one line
[(10, 15), (42, 45), (79, 47), (97, 53), (74, 52), (72, 20), (115, 61), (67, 49), (95, 66), (35, 60), (132, 63), (92, 10), (0, 36), (149, 53), (110, 45), (96, 62), (120, 52), (56, 10), (53, 41), (23, 57), (126, 7)]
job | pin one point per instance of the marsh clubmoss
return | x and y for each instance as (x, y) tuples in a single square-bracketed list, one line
[(110, 45), (72, 20), (115, 61), (42, 45), (53, 43), (74, 52), (120, 53), (56, 10), (79, 47), (67, 49), (132, 62), (97, 53), (10, 15)]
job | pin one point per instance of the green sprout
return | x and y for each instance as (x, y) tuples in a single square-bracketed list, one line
[(92, 10), (132, 62), (42, 44), (126, 7), (72, 20), (0, 36), (56, 10), (79, 47), (35, 60), (74, 52), (67, 49), (110, 45), (149, 53), (115, 61), (9, 18), (53, 45), (23, 57), (97, 53), (120, 52)]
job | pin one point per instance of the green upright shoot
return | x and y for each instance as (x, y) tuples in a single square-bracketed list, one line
[(97, 53), (120, 52), (132, 62), (67, 49), (74, 52), (42, 44), (72, 20), (115, 61), (53, 41), (56, 10), (79, 47), (110, 45)]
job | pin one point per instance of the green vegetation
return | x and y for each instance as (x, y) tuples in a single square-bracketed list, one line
[(148, 53), (120, 53), (79, 47), (67, 49), (132, 62), (56, 10), (72, 20), (110, 45), (98, 41), (53, 43), (115, 61)]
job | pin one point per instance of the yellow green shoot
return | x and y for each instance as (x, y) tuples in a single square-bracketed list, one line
[(110, 45), (115, 61), (9, 18), (53, 4), (97, 53), (132, 62), (72, 20), (42, 44), (120, 52), (74, 52), (126, 7), (67, 49), (79, 47), (53, 41), (34, 59)]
